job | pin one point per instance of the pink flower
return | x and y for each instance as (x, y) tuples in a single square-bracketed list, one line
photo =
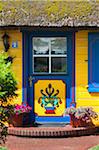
[(24, 108)]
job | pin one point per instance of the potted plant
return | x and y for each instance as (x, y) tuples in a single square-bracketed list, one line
[(81, 116), (18, 112)]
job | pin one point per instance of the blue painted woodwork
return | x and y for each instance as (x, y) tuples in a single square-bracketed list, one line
[(27, 71), (93, 62)]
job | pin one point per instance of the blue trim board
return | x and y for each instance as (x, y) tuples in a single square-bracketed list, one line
[(73, 103), (23, 48), (60, 119), (93, 62), (26, 94), (93, 88), (25, 67), (27, 71)]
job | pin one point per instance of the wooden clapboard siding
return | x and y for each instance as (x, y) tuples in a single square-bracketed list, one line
[(83, 97)]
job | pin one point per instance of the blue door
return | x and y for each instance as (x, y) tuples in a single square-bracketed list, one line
[(51, 74)]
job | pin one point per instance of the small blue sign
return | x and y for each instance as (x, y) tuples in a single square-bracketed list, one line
[(14, 44)]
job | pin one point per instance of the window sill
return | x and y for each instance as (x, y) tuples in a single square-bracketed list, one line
[(94, 88)]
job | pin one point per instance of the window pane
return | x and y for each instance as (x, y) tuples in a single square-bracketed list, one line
[(41, 64), (59, 64), (58, 45), (41, 46)]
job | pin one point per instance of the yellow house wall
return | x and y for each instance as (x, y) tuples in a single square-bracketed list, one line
[(15, 35), (83, 97)]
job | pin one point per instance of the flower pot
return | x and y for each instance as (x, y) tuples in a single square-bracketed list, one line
[(26, 121), (19, 120), (16, 120), (74, 122)]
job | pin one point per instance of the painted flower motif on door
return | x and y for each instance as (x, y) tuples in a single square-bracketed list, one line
[(49, 99)]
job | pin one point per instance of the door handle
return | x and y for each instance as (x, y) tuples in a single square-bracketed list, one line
[(30, 80)]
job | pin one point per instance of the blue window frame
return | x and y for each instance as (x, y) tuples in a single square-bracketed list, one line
[(93, 62), (49, 55)]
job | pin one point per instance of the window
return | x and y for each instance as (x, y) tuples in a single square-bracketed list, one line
[(50, 55), (93, 62)]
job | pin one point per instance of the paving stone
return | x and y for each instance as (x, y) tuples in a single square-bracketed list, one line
[(70, 143)]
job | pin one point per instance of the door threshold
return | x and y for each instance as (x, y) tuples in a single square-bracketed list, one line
[(50, 124)]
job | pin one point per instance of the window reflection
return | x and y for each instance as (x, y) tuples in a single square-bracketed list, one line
[(58, 45), (41, 64), (59, 64), (50, 55), (41, 46)]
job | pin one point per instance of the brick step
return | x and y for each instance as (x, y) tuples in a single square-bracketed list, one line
[(66, 131)]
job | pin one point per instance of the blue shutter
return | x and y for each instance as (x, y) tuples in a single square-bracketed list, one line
[(93, 62)]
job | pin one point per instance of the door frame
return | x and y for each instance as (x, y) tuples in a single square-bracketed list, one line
[(27, 97)]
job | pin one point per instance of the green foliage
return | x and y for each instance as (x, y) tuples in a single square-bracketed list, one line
[(8, 86), (3, 148), (3, 133), (1, 6), (57, 10), (94, 148)]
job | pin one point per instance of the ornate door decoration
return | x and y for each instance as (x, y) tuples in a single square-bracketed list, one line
[(50, 97)]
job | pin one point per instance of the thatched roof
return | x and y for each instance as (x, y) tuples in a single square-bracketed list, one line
[(49, 13)]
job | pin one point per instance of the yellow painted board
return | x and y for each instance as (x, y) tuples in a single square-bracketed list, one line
[(42, 103), (83, 97), (88, 102)]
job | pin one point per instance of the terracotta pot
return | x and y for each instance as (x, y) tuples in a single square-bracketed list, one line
[(16, 120), (74, 122), (19, 120)]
